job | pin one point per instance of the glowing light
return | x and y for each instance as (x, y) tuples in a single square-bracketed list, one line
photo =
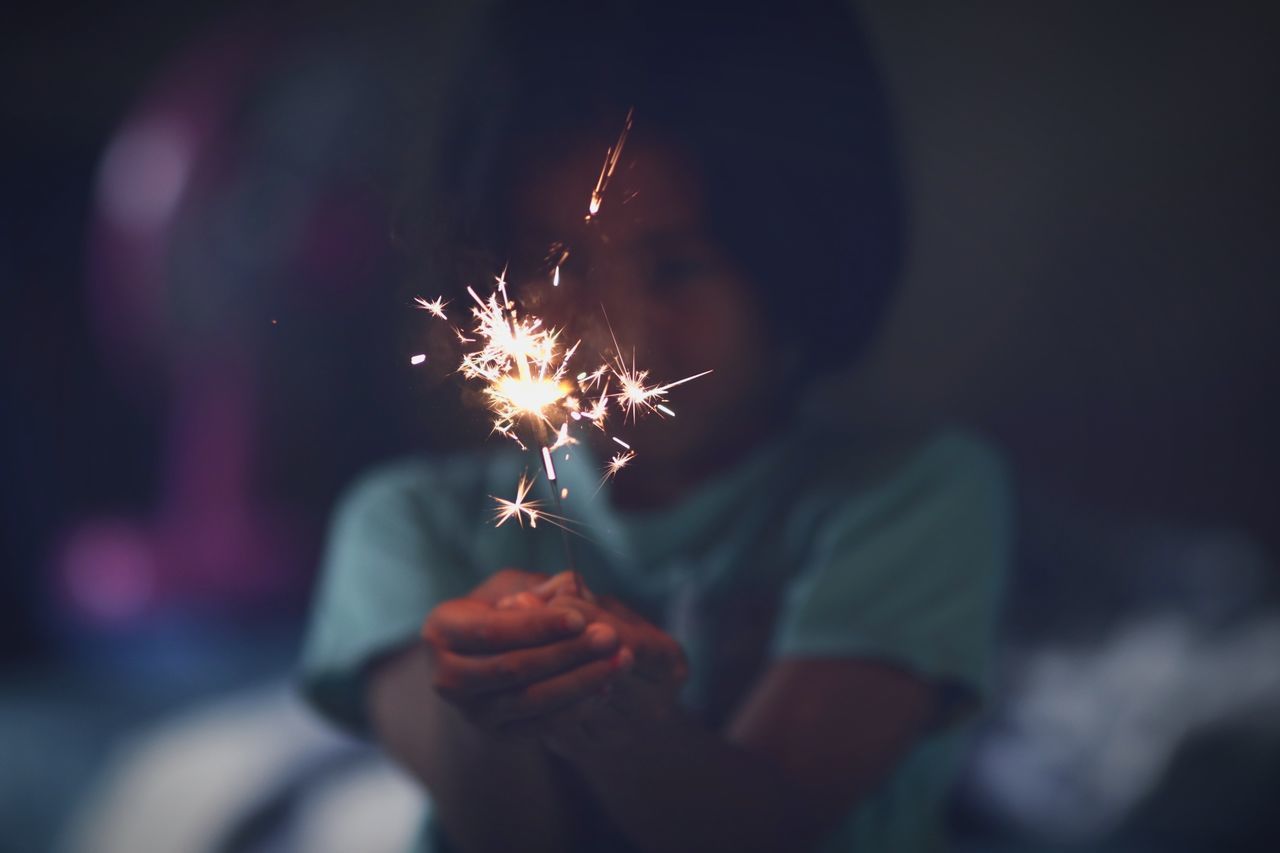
[(606, 171), (621, 442), (665, 410), (418, 359), (530, 396), (145, 172)]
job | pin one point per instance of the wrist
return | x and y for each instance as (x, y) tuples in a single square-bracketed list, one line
[(646, 740)]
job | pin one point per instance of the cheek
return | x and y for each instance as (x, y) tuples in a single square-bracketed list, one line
[(723, 328), (715, 329)]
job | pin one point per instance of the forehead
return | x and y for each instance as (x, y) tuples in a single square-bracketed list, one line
[(655, 188)]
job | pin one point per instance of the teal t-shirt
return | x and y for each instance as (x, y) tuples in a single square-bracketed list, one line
[(812, 547)]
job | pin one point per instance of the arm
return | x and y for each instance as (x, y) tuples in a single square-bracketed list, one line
[(445, 709), (472, 776), (812, 737)]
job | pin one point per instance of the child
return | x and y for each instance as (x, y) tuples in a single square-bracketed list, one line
[(784, 623)]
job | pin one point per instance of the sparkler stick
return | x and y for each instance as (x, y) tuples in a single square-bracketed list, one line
[(550, 468)]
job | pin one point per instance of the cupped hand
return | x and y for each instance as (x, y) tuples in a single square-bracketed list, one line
[(506, 668), (624, 708)]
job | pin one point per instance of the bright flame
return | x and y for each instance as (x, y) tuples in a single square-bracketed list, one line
[(526, 396)]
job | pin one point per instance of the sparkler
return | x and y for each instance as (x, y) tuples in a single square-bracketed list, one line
[(522, 366)]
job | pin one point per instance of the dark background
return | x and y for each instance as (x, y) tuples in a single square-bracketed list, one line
[(1093, 283)]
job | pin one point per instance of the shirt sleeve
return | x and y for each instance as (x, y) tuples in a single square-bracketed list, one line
[(910, 571), (386, 565)]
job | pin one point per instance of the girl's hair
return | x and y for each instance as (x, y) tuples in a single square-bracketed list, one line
[(778, 103)]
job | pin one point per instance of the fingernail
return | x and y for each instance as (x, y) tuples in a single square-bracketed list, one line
[(601, 637), (573, 621)]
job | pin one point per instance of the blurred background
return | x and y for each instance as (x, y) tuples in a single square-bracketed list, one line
[(200, 344)]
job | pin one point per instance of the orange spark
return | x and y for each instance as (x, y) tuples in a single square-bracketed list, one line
[(606, 170)]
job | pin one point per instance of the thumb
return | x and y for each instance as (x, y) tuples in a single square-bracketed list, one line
[(565, 583)]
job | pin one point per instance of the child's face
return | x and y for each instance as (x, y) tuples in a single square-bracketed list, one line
[(671, 293)]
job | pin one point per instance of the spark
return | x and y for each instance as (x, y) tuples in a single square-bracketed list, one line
[(520, 508), (621, 442), (633, 394), (617, 463), (555, 278), (434, 307), (665, 410), (588, 380), (606, 170), (418, 359), (599, 409), (557, 254), (563, 439)]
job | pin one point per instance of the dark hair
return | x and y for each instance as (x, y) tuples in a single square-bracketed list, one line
[(783, 93)]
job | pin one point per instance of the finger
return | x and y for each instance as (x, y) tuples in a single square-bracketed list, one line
[(658, 658), (564, 583), (470, 627), (553, 694), (460, 675), (506, 582), (520, 601)]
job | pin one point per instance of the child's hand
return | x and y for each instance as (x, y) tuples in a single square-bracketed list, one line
[(645, 695), (504, 668)]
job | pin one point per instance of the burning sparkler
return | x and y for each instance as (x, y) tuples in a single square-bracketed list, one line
[(523, 368)]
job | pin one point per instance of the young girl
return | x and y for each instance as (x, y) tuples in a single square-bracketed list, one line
[(784, 623)]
